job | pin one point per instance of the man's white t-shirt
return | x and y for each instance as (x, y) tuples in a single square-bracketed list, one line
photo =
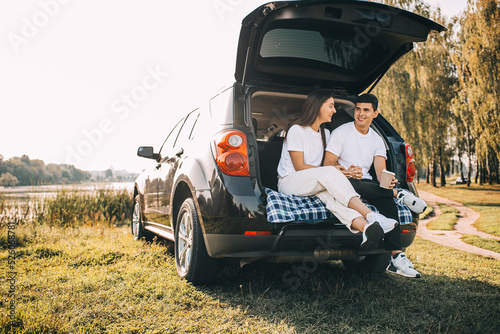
[(354, 148), (301, 139)]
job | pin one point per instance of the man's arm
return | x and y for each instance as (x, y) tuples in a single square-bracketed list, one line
[(380, 165)]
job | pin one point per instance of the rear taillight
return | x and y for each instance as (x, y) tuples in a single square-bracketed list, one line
[(232, 153), (410, 165)]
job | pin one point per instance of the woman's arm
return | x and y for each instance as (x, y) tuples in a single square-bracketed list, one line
[(298, 160)]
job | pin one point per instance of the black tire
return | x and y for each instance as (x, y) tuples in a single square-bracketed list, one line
[(191, 257), (137, 224), (369, 264)]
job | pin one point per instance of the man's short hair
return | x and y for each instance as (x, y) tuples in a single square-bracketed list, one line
[(368, 98)]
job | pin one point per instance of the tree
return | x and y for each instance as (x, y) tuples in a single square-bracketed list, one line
[(8, 180), (416, 94), (108, 174), (477, 59)]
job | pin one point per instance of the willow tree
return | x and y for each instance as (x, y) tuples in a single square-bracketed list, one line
[(477, 58), (416, 95)]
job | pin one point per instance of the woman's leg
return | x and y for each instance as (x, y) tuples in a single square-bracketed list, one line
[(333, 189), (356, 204), (349, 217), (311, 181), (359, 224)]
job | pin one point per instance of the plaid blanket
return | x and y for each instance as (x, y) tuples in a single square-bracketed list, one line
[(283, 208)]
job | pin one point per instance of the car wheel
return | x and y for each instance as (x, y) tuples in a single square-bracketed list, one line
[(137, 225), (191, 257), (370, 264)]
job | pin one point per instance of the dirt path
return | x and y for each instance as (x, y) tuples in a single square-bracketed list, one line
[(464, 226)]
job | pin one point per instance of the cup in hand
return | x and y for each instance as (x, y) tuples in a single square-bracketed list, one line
[(386, 179)]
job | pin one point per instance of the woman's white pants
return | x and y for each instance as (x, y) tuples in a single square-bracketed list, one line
[(329, 185)]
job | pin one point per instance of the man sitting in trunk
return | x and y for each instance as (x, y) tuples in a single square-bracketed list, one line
[(353, 148)]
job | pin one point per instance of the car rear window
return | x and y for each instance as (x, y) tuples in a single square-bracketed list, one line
[(348, 52)]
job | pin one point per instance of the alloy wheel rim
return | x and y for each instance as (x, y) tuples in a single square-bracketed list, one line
[(185, 242), (136, 220)]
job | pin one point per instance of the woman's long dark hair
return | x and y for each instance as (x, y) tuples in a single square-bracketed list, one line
[(310, 111), (311, 107)]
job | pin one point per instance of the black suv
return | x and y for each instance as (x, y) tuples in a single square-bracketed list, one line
[(206, 192)]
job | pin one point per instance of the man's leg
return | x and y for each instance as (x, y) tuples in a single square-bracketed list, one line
[(383, 200)]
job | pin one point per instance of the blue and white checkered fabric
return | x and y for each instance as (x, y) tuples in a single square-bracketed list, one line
[(283, 208)]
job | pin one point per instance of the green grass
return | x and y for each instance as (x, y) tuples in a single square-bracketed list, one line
[(490, 244), (484, 199), (446, 221), (429, 212), (98, 279)]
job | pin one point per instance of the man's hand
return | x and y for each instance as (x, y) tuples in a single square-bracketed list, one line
[(393, 183)]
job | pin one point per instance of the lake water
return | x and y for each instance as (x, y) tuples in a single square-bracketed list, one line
[(48, 190)]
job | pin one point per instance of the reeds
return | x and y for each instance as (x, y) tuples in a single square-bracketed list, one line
[(71, 208)]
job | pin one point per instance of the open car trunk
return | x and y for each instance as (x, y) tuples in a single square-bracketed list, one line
[(271, 114)]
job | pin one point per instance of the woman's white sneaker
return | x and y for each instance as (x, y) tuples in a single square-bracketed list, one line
[(387, 224), (402, 266)]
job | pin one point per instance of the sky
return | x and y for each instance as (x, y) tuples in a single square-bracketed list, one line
[(88, 82)]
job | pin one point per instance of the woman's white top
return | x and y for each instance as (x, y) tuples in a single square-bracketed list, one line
[(301, 139)]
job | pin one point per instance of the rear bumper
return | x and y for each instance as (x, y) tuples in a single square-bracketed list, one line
[(292, 243), (295, 242)]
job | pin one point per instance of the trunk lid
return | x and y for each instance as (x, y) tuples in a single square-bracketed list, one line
[(343, 45)]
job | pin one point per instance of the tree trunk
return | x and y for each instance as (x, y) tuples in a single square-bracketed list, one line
[(469, 172), (433, 172), (489, 169), (427, 172), (478, 171), (469, 156), (493, 168), (461, 166), (441, 167), (481, 174), (497, 176)]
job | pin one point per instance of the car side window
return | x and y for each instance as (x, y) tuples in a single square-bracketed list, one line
[(187, 127), (221, 107), (172, 136)]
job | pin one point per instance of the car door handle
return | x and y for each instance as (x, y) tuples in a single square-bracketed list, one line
[(181, 152)]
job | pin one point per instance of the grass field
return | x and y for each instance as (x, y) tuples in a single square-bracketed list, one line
[(490, 244), (98, 279), (86, 274), (484, 199), (447, 219)]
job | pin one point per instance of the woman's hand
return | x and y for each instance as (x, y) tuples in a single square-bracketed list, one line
[(354, 172)]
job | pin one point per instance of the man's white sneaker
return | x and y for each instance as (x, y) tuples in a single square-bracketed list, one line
[(415, 204), (372, 236), (402, 266), (387, 224)]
